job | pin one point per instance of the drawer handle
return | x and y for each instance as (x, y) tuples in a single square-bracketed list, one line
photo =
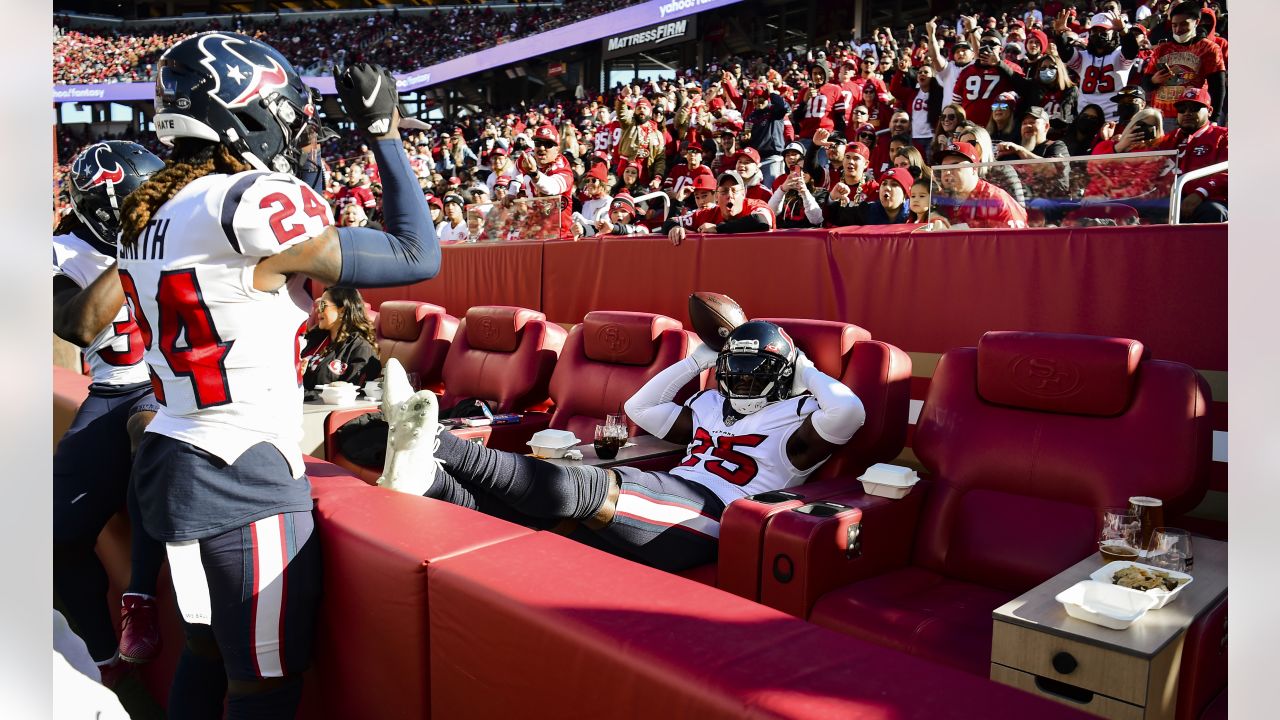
[(1065, 663), (1063, 690)]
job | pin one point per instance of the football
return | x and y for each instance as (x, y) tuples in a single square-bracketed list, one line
[(713, 316)]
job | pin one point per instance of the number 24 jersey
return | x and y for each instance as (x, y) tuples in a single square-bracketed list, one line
[(749, 456), (224, 355)]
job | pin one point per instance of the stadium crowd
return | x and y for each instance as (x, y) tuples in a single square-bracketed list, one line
[(398, 42), (844, 132)]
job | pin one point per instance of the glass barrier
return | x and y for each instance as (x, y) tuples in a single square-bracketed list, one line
[(1093, 190), (514, 219)]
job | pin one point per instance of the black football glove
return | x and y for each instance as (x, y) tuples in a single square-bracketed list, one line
[(368, 95)]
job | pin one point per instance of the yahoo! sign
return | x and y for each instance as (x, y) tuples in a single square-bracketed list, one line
[(676, 6)]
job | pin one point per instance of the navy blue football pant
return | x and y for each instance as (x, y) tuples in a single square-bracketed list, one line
[(90, 484), (660, 520)]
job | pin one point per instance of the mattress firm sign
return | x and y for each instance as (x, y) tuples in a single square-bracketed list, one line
[(667, 33)]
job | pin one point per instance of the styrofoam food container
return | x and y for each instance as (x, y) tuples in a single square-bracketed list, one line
[(889, 481), (1102, 603), (337, 394), (552, 443), (1163, 597)]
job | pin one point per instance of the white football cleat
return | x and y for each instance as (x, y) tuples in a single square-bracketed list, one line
[(411, 434)]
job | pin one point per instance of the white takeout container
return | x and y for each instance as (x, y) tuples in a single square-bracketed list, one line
[(337, 394), (552, 443), (1102, 603), (1162, 596), (889, 481)]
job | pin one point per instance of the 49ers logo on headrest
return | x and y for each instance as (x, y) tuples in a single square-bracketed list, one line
[(89, 172), (239, 80)]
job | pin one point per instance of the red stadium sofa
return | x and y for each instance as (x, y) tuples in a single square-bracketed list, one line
[(1026, 438)]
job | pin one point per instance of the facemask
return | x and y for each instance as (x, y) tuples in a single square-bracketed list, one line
[(1048, 75), (1186, 37), (1089, 125)]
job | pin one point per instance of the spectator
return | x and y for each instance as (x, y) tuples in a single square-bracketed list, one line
[(1104, 63), (910, 158), (641, 144), (437, 208), (764, 129), (1129, 101), (1002, 176), (817, 108), (890, 204), (796, 203), (952, 117), (453, 225), (1048, 84), (341, 345), (844, 202), (703, 188), (1131, 178), (681, 175), (918, 210), (1189, 60), (546, 173), (352, 215), (501, 166), (948, 73), (983, 81), (1002, 126), (569, 140), (621, 218), (926, 106), (882, 153), (1199, 143), (969, 200), (629, 182), (1083, 134), (747, 163), (732, 213), (1035, 139)]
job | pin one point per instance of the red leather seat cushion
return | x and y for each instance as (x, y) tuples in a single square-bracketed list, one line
[(504, 355), (919, 612), (418, 335), (1059, 373)]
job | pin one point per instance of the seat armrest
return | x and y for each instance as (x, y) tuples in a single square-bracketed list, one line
[(811, 550), (337, 419), (512, 437), (742, 529)]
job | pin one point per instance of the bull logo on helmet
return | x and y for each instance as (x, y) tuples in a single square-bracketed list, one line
[(89, 171), (239, 80)]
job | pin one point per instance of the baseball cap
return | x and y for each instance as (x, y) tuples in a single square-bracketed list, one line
[(499, 150), (546, 132), (1130, 92), (1099, 20), (865, 128), (478, 188), (960, 44), (704, 181), (964, 150), (502, 181), (857, 148), (599, 170), (902, 176), (1195, 95), (730, 175), (1007, 96), (433, 200), (717, 104), (793, 146), (688, 145), (1036, 112), (750, 153)]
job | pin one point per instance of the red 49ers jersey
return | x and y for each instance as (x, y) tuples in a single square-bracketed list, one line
[(820, 109), (224, 355), (115, 355), (749, 456), (976, 88), (1100, 78), (607, 139)]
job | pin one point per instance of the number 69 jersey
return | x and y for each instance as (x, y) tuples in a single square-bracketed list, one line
[(749, 456), (223, 355)]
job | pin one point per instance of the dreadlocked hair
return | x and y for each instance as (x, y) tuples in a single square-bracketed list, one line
[(191, 158), (69, 224)]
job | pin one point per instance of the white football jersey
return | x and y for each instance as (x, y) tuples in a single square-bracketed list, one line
[(1100, 78), (225, 354), (749, 456), (115, 355)]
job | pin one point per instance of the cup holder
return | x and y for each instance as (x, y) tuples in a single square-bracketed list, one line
[(822, 509), (773, 497)]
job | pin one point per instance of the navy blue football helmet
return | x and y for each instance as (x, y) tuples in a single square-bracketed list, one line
[(102, 176), (755, 367), (232, 89)]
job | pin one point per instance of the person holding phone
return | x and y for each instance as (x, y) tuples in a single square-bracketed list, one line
[(1189, 60)]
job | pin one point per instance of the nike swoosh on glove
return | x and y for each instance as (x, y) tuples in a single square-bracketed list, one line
[(369, 97)]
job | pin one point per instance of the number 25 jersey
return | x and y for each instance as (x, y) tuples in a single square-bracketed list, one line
[(749, 456), (223, 355)]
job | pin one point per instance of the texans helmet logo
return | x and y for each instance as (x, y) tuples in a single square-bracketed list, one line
[(89, 171), (239, 80)]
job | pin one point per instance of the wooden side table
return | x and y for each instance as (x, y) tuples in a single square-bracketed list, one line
[(1125, 674)]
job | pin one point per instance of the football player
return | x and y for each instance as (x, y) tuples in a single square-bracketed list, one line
[(214, 252), (770, 422), (92, 462)]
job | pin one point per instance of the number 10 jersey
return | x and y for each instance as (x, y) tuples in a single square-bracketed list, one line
[(224, 356)]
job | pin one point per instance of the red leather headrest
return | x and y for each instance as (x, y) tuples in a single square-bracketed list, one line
[(497, 327), (1052, 372), (624, 338), (402, 319), (826, 342)]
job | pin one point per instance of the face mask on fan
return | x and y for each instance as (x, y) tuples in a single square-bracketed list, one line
[(1186, 37)]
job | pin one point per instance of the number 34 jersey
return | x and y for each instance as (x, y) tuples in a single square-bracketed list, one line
[(223, 355), (749, 456), (115, 355)]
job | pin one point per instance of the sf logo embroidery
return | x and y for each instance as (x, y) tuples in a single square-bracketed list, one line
[(613, 338), (1046, 377)]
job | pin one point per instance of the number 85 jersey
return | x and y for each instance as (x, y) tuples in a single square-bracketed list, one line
[(223, 355), (749, 456)]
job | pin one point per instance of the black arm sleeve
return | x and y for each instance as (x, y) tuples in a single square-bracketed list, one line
[(1217, 91), (749, 223), (1129, 46), (1066, 50)]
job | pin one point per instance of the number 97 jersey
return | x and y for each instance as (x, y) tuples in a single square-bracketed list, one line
[(223, 355)]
